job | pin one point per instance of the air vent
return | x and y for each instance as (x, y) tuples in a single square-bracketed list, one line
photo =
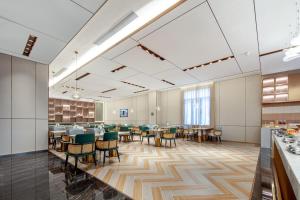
[(104, 97), (140, 91), (133, 84), (82, 76), (124, 22), (167, 82), (29, 45), (209, 63), (118, 69), (151, 52), (109, 90)]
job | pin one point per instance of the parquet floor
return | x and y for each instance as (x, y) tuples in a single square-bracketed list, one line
[(189, 171)]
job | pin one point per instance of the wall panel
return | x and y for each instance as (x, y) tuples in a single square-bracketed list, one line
[(23, 88), (41, 91), (23, 135), (5, 141), (5, 86)]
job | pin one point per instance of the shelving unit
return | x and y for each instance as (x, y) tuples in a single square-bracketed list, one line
[(275, 89), (62, 110)]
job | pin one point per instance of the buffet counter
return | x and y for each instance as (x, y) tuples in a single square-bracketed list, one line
[(287, 167)]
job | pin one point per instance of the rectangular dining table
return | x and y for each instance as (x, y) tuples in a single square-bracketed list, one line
[(203, 133)]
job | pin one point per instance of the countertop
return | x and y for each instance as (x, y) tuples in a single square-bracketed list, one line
[(291, 164)]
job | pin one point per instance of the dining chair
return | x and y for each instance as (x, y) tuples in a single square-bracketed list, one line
[(108, 144), (84, 146), (169, 136), (145, 133)]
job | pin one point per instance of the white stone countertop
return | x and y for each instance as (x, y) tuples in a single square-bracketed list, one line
[(291, 164)]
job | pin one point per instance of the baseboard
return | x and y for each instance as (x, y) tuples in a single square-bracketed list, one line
[(23, 153)]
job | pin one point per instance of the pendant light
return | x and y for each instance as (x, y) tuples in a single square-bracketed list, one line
[(76, 94)]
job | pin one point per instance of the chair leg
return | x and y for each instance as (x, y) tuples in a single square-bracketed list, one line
[(104, 157), (165, 142), (220, 140), (170, 144), (95, 161), (142, 140), (66, 162), (76, 161), (118, 154), (148, 141), (175, 142)]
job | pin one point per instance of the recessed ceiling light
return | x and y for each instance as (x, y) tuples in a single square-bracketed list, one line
[(145, 15)]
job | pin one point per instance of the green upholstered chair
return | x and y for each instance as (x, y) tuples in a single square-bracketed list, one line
[(109, 143), (145, 133), (84, 146), (169, 136)]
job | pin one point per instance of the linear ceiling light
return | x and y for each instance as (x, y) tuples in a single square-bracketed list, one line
[(163, 80), (117, 69), (133, 84), (82, 76), (109, 90), (141, 91), (29, 45), (209, 63), (151, 52), (146, 14)]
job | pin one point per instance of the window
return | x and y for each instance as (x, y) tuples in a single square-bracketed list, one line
[(197, 106)]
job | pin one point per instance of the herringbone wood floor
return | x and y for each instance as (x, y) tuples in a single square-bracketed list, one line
[(189, 171)]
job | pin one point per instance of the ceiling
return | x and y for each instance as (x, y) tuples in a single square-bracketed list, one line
[(194, 33)]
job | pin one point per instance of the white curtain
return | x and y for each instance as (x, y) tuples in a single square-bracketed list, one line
[(197, 106)]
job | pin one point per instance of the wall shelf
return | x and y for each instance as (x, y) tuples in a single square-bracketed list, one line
[(63, 110)]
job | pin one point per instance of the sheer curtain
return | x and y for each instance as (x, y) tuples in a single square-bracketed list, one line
[(197, 106)]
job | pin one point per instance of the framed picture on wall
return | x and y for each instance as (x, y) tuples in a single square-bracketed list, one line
[(123, 112)]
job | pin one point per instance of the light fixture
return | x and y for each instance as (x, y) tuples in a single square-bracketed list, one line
[(145, 15), (294, 52), (76, 94)]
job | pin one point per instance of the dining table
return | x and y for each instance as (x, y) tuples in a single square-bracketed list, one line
[(201, 133), (158, 133)]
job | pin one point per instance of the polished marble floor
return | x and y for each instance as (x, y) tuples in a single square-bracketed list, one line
[(189, 171), (42, 176)]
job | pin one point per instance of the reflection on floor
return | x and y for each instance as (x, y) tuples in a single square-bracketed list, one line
[(39, 176), (189, 171)]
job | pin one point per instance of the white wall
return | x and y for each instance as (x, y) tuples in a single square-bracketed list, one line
[(238, 108), (137, 110), (170, 103), (23, 105)]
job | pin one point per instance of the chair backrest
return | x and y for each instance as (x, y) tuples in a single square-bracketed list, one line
[(85, 138), (109, 136), (124, 128), (145, 128), (173, 130)]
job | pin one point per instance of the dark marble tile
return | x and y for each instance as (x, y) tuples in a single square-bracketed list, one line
[(42, 176)]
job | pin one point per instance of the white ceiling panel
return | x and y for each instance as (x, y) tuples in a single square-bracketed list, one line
[(183, 8), (90, 5), (13, 38), (60, 19), (142, 61), (276, 19), (215, 71), (237, 21), (191, 39), (111, 13), (147, 81), (121, 48), (176, 76), (273, 63), (103, 67)]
